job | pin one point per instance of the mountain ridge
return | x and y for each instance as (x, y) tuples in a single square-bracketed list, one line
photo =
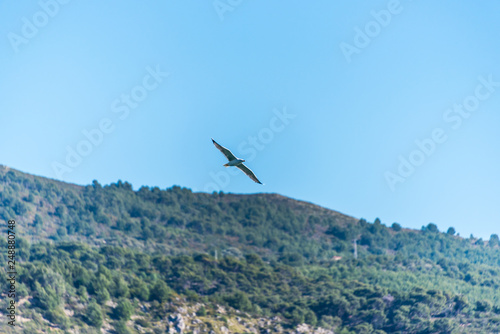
[(109, 257)]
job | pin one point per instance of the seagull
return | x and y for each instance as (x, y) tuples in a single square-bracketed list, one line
[(233, 161)]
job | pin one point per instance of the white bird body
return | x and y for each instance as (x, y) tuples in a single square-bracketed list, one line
[(238, 163), (234, 162)]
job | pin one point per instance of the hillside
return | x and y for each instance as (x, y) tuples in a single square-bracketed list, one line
[(119, 260)]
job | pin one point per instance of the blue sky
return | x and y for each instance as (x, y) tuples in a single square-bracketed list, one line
[(383, 109)]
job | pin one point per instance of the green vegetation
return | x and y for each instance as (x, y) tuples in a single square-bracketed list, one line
[(94, 255)]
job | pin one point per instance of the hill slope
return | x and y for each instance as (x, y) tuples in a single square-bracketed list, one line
[(96, 257)]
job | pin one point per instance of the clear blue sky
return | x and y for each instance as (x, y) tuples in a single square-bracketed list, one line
[(322, 98)]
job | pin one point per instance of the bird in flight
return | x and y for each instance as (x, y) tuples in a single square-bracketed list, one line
[(233, 161)]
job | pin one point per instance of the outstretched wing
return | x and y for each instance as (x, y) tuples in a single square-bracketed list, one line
[(224, 151), (248, 172)]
